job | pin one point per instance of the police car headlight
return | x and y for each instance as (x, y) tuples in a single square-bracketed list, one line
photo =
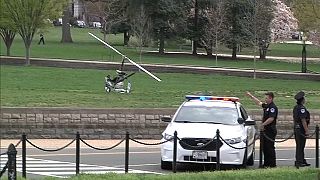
[(167, 137), (233, 140)]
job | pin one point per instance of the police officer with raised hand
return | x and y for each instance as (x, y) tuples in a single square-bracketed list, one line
[(270, 114), (301, 117)]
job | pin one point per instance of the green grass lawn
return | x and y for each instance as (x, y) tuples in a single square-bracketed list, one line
[(86, 47), (263, 174), (59, 87)]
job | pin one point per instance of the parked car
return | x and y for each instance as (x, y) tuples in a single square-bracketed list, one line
[(80, 24), (57, 22), (96, 24), (297, 35), (196, 122)]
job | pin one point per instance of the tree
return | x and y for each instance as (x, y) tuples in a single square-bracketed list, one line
[(167, 16), (260, 21), (7, 31), (66, 34), (284, 23), (141, 28), (195, 27), (196, 21), (213, 29), (308, 14), (238, 32), (28, 16), (110, 13)]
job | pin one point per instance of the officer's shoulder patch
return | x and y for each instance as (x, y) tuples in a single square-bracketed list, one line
[(272, 110), (303, 110)]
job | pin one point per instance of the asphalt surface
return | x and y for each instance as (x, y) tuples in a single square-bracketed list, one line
[(142, 160)]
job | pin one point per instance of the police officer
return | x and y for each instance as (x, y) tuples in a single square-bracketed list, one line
[(270, 114), (301, 117)]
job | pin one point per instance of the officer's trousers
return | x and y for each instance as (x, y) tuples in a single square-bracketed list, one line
[(300, 144), (41, 41), (269, 152)]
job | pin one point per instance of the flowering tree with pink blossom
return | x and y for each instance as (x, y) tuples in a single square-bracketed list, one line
[(314, 37), (284, 23)]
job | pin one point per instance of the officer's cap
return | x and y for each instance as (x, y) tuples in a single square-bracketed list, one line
[(299, 95)]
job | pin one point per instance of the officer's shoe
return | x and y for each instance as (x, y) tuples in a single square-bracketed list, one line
[(269, 166), (298, 164), (306, 164)]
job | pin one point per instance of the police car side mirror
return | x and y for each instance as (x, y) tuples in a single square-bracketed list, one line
[(250, 123), (241, 120), (166, 119)]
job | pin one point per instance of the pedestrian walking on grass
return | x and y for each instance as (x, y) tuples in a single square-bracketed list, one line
[(41, 39), (269, 120), (301, 117)]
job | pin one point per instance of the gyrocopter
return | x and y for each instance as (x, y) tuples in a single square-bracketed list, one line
[(120, 83)]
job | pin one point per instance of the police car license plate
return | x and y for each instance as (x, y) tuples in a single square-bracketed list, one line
[(200, 155)]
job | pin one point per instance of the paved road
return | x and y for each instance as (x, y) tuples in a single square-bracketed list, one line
[(142, 160)]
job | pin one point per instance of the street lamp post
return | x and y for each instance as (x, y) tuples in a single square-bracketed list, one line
[(304, 55)]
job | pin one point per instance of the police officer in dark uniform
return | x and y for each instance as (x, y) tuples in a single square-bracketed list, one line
[(301, 117), (270, 114)]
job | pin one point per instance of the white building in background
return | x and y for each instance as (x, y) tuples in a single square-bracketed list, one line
[(77, 9)]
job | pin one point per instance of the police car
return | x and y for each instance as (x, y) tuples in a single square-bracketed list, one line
[(196, 122)]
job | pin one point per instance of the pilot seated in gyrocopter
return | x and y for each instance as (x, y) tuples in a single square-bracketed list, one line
[(118, 83)]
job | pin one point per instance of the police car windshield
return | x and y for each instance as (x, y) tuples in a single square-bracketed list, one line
[(203, 114)]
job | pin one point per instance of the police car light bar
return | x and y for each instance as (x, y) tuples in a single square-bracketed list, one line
[(203, 98)]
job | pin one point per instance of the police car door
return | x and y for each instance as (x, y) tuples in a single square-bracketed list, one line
[(250, 130)]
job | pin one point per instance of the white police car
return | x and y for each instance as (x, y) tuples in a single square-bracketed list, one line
[(196, 122)]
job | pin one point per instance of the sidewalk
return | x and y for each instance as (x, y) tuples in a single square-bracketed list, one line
[(57, 143), (279, 58)]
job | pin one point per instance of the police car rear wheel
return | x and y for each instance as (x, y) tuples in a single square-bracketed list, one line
[(166, 165)]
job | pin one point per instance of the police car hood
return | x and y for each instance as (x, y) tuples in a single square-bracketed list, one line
[(204, 130)]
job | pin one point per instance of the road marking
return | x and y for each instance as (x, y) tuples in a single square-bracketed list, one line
[(293, 148), (88, 154), (63, 169), (278, 159), (139, 165)]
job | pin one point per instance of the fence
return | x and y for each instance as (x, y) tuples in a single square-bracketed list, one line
[(11, 163)]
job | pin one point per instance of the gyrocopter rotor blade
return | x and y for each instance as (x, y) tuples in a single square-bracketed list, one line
[(132, 62)]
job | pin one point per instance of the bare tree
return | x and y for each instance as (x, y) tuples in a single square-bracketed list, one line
[(141, 28), (260, 21), (213, 30), (110, 12)]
